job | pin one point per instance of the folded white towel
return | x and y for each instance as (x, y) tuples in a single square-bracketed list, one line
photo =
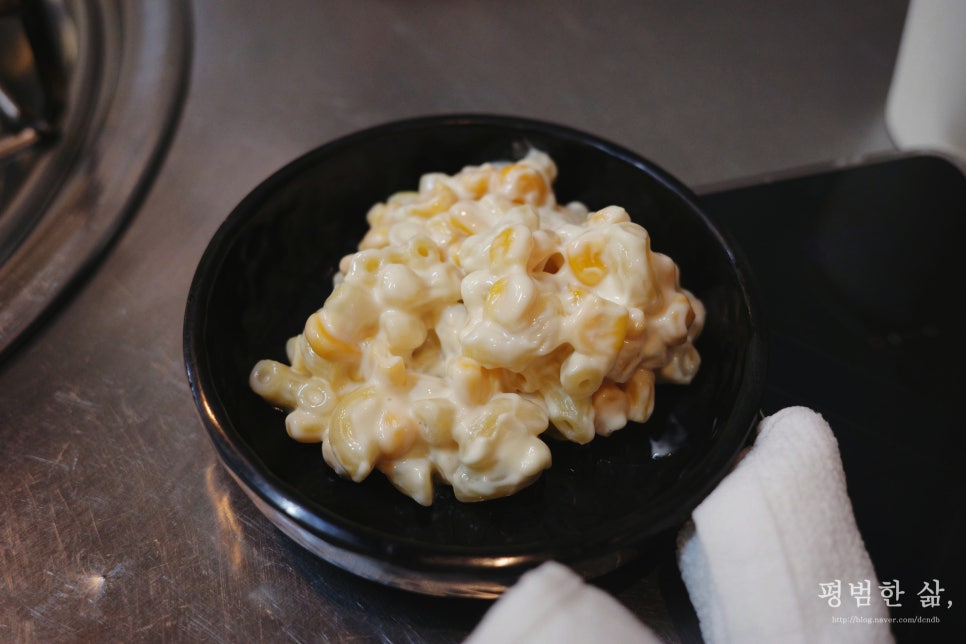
[(759, 554), (776, 535), (552, 605)]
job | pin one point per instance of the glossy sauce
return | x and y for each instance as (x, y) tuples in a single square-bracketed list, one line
[(478, 314)]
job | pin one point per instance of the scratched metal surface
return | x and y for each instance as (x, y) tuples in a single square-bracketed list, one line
[(116, 521)]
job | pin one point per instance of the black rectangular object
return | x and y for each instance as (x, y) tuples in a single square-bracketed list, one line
[(862, 279)]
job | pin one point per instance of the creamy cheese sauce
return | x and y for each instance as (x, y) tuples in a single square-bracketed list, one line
[(477, 315)]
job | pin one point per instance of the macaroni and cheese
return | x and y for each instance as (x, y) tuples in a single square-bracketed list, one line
[(477, 315)]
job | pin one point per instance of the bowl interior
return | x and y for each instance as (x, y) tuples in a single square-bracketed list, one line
[(271, 265)]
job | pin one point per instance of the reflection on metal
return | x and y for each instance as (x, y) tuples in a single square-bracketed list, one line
[(12, 144), (90, 95), (230, 530), (37, 53)]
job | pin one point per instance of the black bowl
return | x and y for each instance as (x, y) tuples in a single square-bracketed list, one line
[(270, 265)]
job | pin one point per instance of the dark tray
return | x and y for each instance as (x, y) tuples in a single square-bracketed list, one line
[(861, 273)]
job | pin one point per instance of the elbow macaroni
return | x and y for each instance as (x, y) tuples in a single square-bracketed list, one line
[(476, 314)]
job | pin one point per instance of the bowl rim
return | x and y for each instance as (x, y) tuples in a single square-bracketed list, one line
[(396, 557)]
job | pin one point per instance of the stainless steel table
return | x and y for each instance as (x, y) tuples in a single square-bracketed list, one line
[(116, 520)]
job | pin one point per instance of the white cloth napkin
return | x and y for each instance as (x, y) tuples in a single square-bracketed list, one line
[(759, 553), (552, 605), (776, 535)]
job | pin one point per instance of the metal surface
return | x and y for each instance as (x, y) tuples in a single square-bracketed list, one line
[(106, 108), (116, 523)]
